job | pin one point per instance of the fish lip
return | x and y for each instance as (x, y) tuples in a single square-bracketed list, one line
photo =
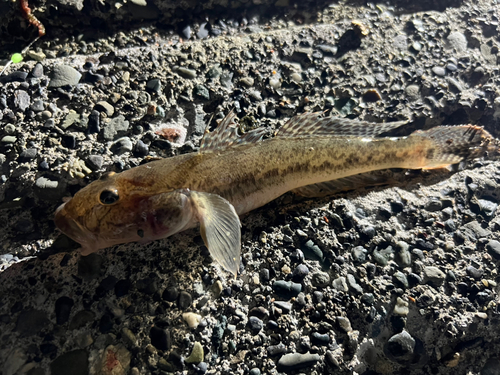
[(73, 229)]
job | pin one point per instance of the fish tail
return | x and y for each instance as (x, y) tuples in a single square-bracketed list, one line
[(452, 144)]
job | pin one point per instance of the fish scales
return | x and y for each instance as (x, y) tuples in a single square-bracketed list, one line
[(232, 175)]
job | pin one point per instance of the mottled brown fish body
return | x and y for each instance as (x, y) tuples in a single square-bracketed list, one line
[(233, 174)]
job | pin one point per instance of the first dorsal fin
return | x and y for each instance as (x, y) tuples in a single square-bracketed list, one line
[(311, 124), (226, 134)]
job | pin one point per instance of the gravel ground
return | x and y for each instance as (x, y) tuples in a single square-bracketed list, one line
[(391, 280)]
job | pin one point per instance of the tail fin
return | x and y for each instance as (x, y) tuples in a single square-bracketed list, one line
[(456, 143)]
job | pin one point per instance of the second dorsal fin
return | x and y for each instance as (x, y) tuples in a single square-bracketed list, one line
[(311, 124), (226, 134)]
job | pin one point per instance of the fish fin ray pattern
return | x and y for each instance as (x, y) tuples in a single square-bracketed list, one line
[(220, 229), (312, 124)]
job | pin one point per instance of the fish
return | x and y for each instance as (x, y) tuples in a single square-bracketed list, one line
[(231, 174)]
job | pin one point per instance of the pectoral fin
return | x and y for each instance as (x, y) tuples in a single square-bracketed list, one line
[(220, 228)]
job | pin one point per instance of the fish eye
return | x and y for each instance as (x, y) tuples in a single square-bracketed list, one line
[(108, 197)]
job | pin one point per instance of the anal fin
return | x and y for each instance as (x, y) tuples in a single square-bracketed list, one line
[(358, 181), (220, 228)]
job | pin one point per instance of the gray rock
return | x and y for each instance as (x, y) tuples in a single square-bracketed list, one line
[(116, 127), (287, 288), (255, 324), (434, 276), (186, 73), (493, 247), (320, 279), (22, 100), (439, 71), (312, 251), (121, 146), (401, 346), (295, 361), (105, 107), (28, 155), (94, 162), (64, 75), (457, 41), (203, 31), (353, 284)]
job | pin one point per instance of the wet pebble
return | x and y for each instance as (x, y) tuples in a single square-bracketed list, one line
[(37, 105), (202, 92), (344, 324), (186, 32), (401, 346), (359, 254), (321, 339), (353, 284), (94, 122), (154, 85), (196, 355), (94, 162)]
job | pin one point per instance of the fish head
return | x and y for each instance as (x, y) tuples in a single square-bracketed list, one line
[(111, 211)]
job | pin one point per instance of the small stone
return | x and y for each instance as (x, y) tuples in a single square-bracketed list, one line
[(37, 105), (340, 284), (493, 247), (312, 251), (16, 76), (439, 71), (359, 254), (160, 338), (353, 285), (255, 324), (94, 122), (474, 272), (186, 31), (154, 85), (94, 162), (37, 71), (192, 319), (320, 279), (115, 128), (401, 346), (140, 148), (300, 272), (105, 107), (68, 141), (287, 288), (320, 339), (196, 355), (294, 361), (203, 31), (457, 41), (401, 308), (121, 146), (344, 324), (185, 300), (28, 155), (186, 73), (413, 92), (170, 294), (22, 100), (202, 92), (434, 276), (400, 279), (247, 81), (8, 139), (64, 75)]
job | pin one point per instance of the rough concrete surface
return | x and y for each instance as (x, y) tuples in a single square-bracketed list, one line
[(397, 279)]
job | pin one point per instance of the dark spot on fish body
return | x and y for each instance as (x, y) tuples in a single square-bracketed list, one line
[(430, 153)]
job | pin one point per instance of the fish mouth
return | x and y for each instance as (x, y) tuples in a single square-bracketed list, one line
[(73, 229)]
